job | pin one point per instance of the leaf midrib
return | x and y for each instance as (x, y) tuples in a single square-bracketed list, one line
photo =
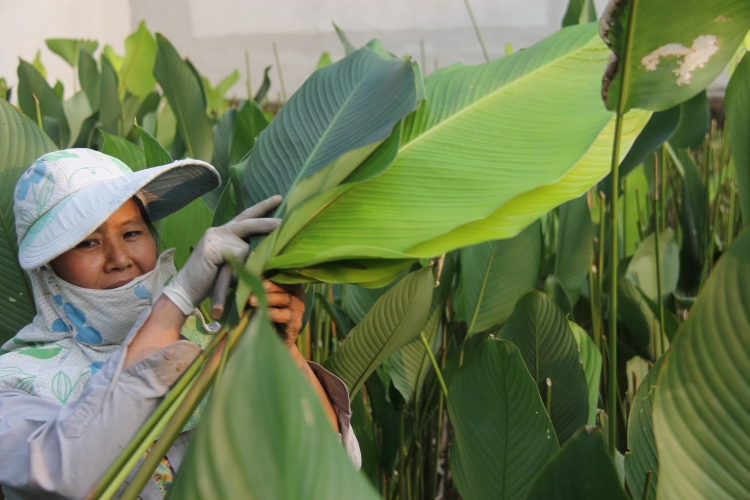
[(489, 95), (483, 288), (171, 84)]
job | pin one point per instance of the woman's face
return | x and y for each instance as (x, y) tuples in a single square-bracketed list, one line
[(119, 251)]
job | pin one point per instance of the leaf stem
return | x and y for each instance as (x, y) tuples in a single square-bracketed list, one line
[(434, 363), (657, 253), (278, 68), (548, 398), (477, 31), (647, 487)]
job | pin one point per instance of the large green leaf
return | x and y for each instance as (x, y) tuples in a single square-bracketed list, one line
[(358, 300), (183, 90), (701, 415), (125, 151), (738, 117), (677, 48), (642, 267), (77, 110), (503, 435), (137, 74), (574, 245), (581, 470), (410, 366), (394, 319), (343, 107), (579, 12), (641, 457), (250, 123), (695, 118), (539, 328), (494, 147), (30, 84), (89, 78), (363, 427), (591, 360), (110, 107), (183, 229), (68, 48), (21, 142), (493, 276), (155, 154), (266, 440)]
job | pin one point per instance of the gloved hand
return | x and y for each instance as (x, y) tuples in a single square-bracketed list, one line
[(194, 281)]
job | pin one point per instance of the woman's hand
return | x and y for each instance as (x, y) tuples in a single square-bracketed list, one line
[(194, 281), (286, 307)]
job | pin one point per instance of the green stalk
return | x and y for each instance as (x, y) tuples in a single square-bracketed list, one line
[(477, 31), (247, 71), (401, 455), (730, 215), (278, 68), (657, 251), (155, 420), (423, 55), (437, 445), (434, 363), (38, 111), (173, 429), (647, 487), (613, 254), (548, 398), (599, 332), (625, 216), (641, 225)]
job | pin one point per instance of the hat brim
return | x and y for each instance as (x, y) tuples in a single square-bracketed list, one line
[(164, 189)]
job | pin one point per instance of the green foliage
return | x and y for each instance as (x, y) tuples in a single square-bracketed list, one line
[(591, 360), (68, 48), (136, 75), (32, 84), (393, 320), (548, 347), (579, 12), (642, 456), (290, 451), (676, 48), (581, 470), (699, 425), (127, 152), (493, 400), (183, 90), (573, 255), (493, 276), (738, 117)]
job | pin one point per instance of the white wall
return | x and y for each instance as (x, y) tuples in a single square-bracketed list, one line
[(216, 33)]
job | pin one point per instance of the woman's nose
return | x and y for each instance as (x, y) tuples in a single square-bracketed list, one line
[(118, 258)]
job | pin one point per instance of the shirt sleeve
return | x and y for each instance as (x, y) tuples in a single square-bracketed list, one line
[(339, 396), (60, 451)]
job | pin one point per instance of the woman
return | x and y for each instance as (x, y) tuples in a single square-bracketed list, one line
[(108, 340)]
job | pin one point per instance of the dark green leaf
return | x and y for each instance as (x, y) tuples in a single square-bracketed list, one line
[(250, 445), (642, 456), (110, 108), (396, 318), (90, 78), (738, 117), (493, 276), (581, 470), (694, 122), (125, 151), (591, 360), (263, 90), (185, 95), (68, 48), (579, 12), (574, 245), (541, 332), (503, 435), (250, 123), (348, 47), (184, 228), (344, 324), (155, 154), (30, 84)]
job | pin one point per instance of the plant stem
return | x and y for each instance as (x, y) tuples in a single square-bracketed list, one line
[(600, 272), (625, 216), (247, 71), (173, 429), (657, 252), (548, 398), (613, 254), (647, 487), (434, 363), (155, 419), (641, 225), (477, 31), (401, 455), (38, 111), (278, 68), (423, 55)]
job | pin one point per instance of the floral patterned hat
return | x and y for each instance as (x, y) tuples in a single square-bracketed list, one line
[(64, 196)]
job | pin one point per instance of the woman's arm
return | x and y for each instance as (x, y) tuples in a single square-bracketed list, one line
[(161, 328)]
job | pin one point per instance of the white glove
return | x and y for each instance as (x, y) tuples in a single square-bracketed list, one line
[(194, 281)]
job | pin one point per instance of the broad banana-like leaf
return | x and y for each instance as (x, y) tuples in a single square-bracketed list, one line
[(539, 328), (591, 360), (581, 470), (155, 154), (676, 48), (579, 12), (358, 300), (185, 95), (89, 78), (30, 84), (346, 107), (410, 365), (250, 123), (738, 117), (21, 142), (642, 267), (574, 244), (125, 151), (137, 74), (266, 440), (493, 276), (700, 412), (695, 119), (494, 147), (77, 109), (184, 228), (68, 48), (397, 317), (364, 428), (503, 435), (110, 107), (166, 125), (642, 456)]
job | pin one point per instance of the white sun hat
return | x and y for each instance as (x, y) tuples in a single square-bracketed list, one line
[(65, 195)]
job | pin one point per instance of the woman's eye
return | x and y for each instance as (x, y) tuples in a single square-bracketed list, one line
[(87, 244), (132, 234)]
